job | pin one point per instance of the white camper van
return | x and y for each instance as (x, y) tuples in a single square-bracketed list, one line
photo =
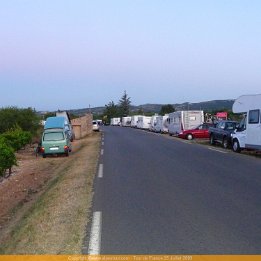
[(153, 122), (126, 121), (134, 121), (143, 122), (184, 120), (115, 121), (248, 134), (162, 124)]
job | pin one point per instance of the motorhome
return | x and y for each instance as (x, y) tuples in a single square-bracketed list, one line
[(134, 120), (153, 122), (126, 121), (115, 121), (184, 120), (162, 124), (248, 133), (143, 122)]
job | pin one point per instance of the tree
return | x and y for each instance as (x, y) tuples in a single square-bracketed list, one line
[(124, 105), (11, 117), (111, 111), (165, 109)]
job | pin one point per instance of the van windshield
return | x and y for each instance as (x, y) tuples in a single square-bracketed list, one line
[(53, 136)]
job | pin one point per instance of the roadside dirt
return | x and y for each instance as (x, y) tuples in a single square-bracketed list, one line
[(43, 198)]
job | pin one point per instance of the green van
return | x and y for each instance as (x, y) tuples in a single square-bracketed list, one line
[(55, 141)]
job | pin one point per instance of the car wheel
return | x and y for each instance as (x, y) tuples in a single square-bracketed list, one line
[(225, 143), (236, 146), (189, 137), (212, 140)]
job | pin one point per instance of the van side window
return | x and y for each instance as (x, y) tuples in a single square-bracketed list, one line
[(253, 116)]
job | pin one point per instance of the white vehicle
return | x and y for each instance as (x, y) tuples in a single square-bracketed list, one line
[(184, 120), (126, 121), (134, 120), (95, 126), (248, 134), (153, 122), (143, 122), (162, 124), (115, 121)]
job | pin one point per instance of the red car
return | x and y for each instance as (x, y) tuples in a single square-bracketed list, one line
[(200, 132)]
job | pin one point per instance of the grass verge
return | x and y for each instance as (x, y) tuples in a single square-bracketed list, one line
[(56, 222)]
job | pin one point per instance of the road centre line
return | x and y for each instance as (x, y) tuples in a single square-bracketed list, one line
[(95, 236), (217, 150), (100, 171), (103, 143), (102, 151)]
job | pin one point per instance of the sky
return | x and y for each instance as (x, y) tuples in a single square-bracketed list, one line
[(61, 54)]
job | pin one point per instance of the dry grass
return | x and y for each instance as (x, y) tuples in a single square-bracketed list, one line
[(56, 223)]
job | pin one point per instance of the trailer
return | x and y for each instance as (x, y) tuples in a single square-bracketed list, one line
[(115, 121), (134, 120), (184, 120), (248, 133), (153, 122), (126, 121), (162, 124), (143, 122)]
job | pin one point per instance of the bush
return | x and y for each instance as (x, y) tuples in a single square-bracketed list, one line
[(7, 156), (17, 138)]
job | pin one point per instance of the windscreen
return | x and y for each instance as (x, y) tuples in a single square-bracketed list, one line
[(53, 136)]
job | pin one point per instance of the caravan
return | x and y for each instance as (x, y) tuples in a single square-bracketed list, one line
[(115, 121), (153, 122), (248, 134), (134, 120), (162, 124), (143, 122), (184, 120), (126, 121)]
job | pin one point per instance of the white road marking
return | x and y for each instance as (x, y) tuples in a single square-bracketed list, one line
[(217, 150), (103, 143), (102, 151), (100, 171), (95, 237)]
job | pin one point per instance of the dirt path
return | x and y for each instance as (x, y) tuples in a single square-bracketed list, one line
[(44, 204)]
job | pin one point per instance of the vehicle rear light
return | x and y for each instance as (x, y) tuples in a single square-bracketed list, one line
[(42, 149), (66, 147)]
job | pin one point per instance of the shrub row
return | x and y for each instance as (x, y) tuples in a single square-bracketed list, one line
[(10, 142)]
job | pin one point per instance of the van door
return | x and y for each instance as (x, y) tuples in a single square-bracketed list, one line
[(253, 138)]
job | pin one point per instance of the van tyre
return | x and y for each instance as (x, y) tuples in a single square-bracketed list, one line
[(211, 140), (225, 143), (44, 156), (236, 146)]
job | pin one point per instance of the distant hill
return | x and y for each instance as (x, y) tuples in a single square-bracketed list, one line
[(155, 108)]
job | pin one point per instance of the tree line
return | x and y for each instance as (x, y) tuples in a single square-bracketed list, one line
[(123, 109)]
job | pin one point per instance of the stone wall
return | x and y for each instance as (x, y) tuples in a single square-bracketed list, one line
[(82, 126)]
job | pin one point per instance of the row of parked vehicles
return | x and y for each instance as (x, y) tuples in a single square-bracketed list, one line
[(57, 135), (190, 125)]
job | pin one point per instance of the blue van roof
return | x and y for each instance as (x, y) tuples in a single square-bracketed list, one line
[(55, 122)]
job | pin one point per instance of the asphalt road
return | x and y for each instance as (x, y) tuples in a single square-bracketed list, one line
[(159, 195)]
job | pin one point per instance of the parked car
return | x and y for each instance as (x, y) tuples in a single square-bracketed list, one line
[(95, 126), (222, 133), (55, 141), (199, 132)]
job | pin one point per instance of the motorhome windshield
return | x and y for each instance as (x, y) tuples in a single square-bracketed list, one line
[(53, 136)]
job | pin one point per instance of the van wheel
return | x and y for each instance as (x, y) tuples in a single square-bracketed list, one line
[(236, 146), (189, 137), (225, 143), (44, 156), (67, 153), (212, 140)]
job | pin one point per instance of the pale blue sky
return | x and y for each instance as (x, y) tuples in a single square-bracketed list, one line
[(69, 54)]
